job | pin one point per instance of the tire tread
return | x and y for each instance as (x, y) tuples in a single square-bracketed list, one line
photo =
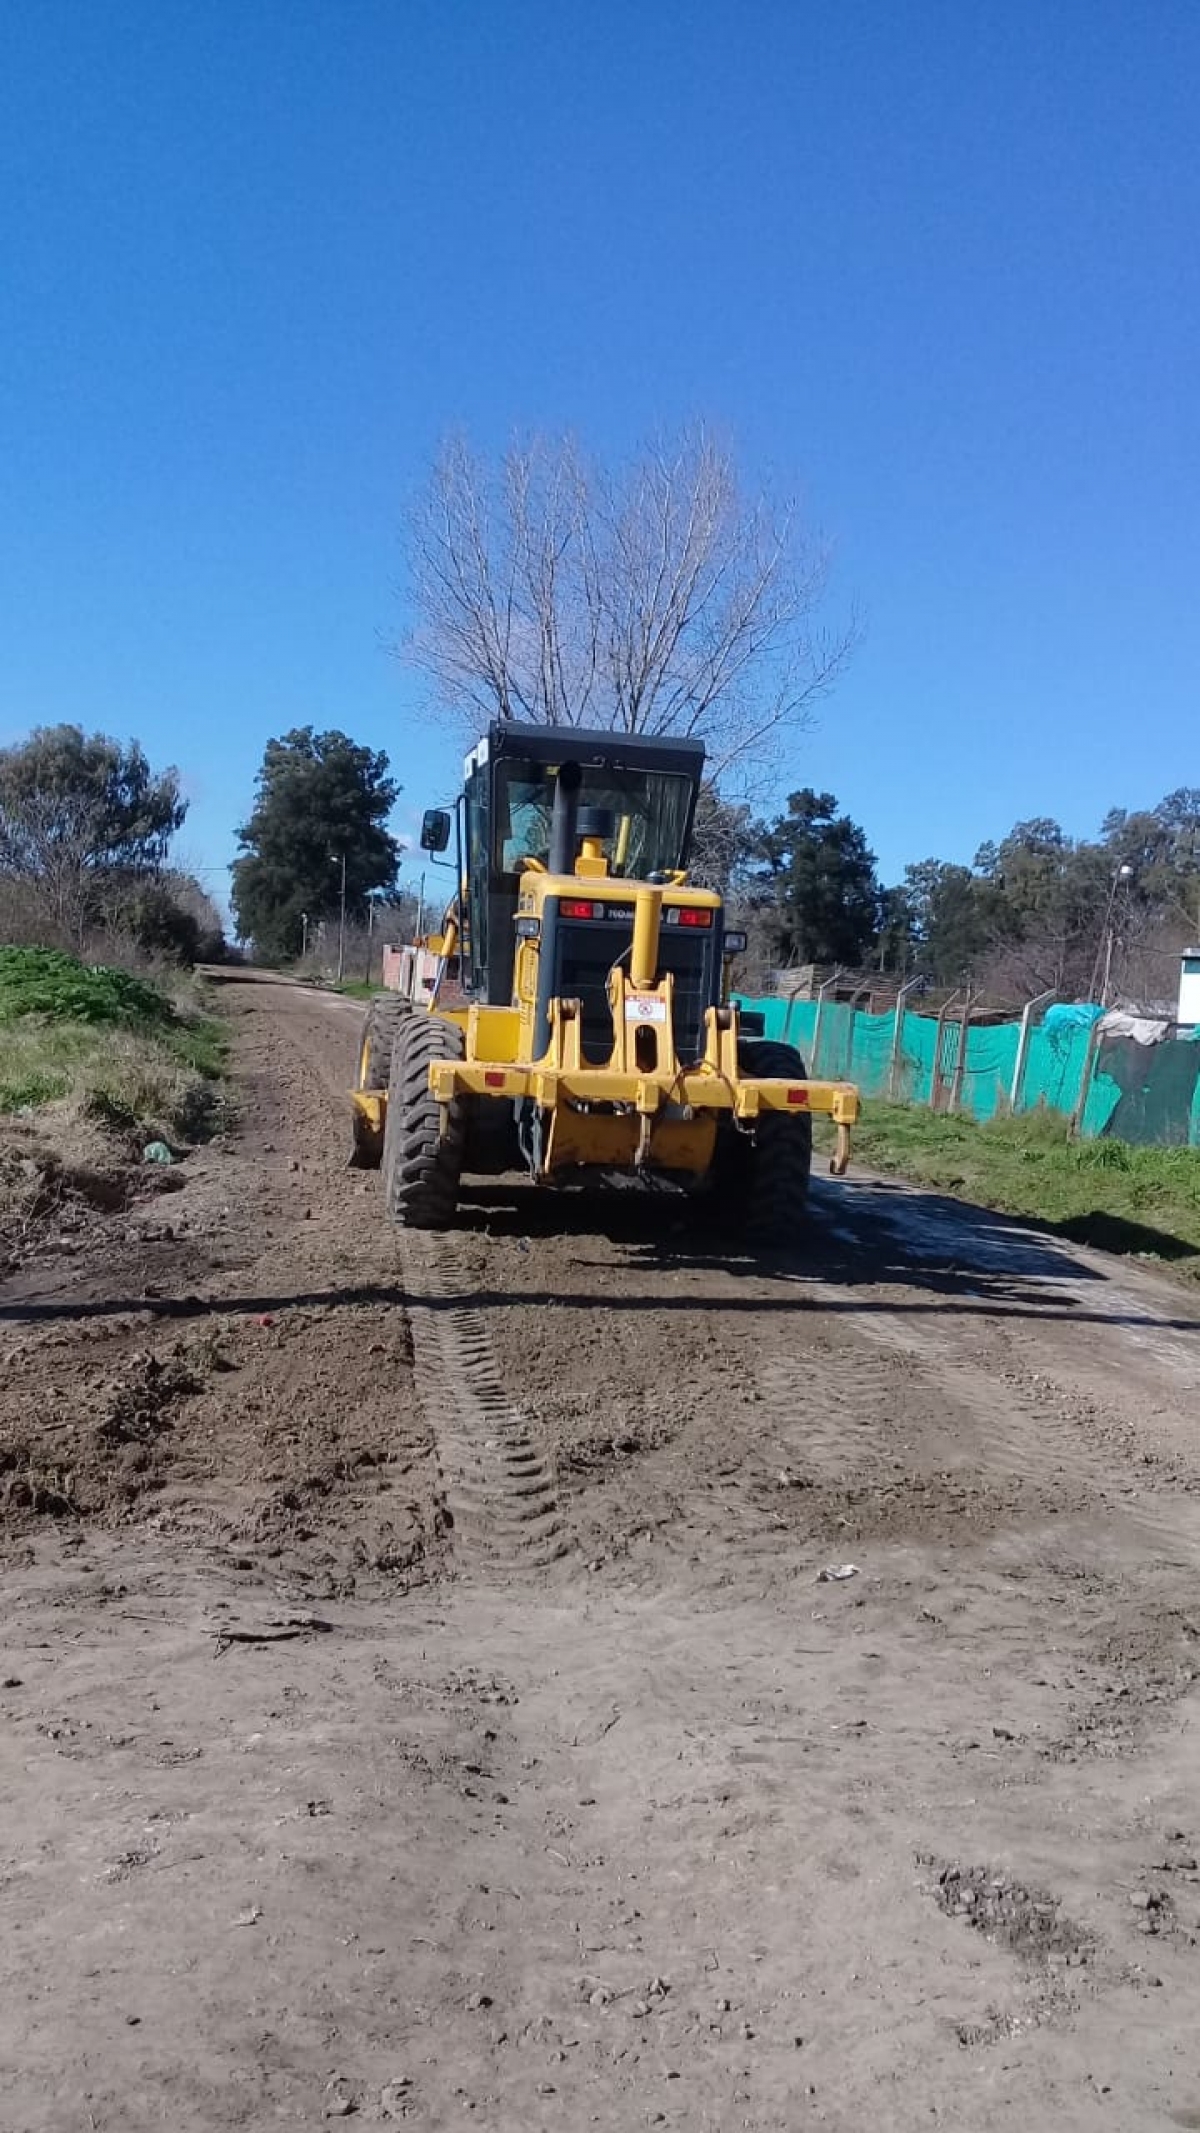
[(421, 1163)]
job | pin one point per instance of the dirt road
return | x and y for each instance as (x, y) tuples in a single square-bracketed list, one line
[(421, 1700)]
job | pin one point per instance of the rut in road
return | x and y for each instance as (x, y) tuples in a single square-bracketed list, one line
[(499, 1484)]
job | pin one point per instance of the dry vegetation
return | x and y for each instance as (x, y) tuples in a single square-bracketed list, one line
[(94, 1066)]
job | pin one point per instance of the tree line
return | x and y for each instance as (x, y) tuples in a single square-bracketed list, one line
[(88, 829), (661, 594), (87, 826), (1036, 911)]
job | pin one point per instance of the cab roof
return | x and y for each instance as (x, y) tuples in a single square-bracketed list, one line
[(591, 747)]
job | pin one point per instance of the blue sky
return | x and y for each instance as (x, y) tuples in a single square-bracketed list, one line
[(936, 264)]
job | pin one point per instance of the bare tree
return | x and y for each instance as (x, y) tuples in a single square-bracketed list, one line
[(724, 840), (47, 849), (655, 598)]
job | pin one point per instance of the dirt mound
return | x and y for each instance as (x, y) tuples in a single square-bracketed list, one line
[(57, 1170), (231, 1363)]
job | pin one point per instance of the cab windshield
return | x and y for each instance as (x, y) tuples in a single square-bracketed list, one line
[(649, 810)]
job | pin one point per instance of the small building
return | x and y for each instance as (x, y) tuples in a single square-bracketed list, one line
[(1188, 1013)]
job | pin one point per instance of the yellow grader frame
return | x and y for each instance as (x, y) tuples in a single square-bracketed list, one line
[(570, 1086)]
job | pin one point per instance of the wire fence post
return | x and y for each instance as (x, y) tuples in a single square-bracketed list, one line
[(1085, 1078), (935, 1079), (898, 1036), (960, 1064), (862, 992), (1041, 999), (814, 1064)]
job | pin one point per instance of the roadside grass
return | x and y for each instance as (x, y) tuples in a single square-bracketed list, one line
[(1106, 1193), (102, 1043)]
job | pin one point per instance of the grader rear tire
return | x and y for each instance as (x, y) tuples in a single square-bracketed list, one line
[(762, 1184), (385, 1018), (421, 1164)]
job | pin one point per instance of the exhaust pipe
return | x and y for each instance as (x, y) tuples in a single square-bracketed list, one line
[(564, 818)]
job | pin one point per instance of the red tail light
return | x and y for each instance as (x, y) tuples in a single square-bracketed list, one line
[(572, 907), (695, 915)]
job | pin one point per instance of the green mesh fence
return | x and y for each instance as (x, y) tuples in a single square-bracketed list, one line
[(869, 1052), (918, 1047), (1145, 1093), (991, 1057), (788, 1022), (1054, 1066)]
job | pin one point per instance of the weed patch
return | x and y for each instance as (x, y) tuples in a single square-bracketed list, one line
[(94, 1063), (114, 1044)]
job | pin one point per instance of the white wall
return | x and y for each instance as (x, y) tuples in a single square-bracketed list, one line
[(1189, 991)]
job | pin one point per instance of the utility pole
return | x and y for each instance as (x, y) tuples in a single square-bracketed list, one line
[(420, 910), (1123, 874), (370, 931), (304, 937), (341, 961)]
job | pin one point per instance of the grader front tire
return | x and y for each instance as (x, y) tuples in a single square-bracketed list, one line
[(421, 1164), (763, 1183), (385, 1019)]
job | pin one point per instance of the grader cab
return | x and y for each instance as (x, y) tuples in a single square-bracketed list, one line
[(579, 1024)]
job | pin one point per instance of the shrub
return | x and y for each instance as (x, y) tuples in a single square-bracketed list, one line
[(47, 982)]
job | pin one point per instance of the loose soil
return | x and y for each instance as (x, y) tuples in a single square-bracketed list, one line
[(421, 1698)]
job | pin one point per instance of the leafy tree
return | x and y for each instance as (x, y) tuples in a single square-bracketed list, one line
[(952, 915), (818, 873), (167, 917), (80, 815), (1051, 899), (1162, 845), (1035, 904), (130, 813), (895, 949), (320, 798), (197, 906)]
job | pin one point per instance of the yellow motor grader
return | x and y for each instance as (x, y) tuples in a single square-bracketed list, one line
[(579, 1024)]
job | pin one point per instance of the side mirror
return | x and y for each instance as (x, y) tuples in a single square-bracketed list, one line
[(435, 829), (734, 943)]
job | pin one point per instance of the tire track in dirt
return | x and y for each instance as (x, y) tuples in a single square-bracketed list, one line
[(832, 1412), (500, 1489), (894, 1394), (921, 1402), (1030, 1424), (864, 1444), (498, 1485)]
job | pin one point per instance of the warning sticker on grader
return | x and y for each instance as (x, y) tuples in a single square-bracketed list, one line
[(645, 1007)]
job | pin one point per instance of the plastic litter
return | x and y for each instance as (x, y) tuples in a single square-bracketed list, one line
[(157, 1152), (834, 1573)]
